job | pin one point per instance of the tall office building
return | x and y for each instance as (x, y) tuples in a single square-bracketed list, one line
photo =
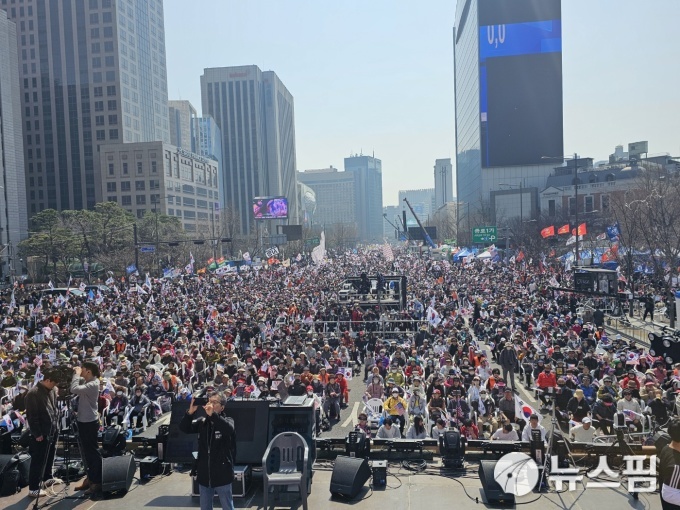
[(182, 116), (508, 86), (367, 195), (13, 212), (209, 144), (255, 113), (92, 72), (422, 201), (334, 193), (443, 182)]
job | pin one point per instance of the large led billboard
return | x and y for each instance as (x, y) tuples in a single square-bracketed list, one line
[(520, 82), (270, 208)]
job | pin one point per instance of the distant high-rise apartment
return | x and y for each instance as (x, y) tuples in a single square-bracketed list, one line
[(92, 72), (508, 87), (209, 144), (367, 195), (255, 113), (182, 116), (13, 212), (443, 182)]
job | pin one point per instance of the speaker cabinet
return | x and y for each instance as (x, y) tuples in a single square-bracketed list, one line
[(495, 496), (179, 446), (117, 473), (349, 476)]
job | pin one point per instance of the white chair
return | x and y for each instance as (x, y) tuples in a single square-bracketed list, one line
[(374, 408)]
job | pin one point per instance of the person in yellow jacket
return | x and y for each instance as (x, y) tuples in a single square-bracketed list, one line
[(397, 408)]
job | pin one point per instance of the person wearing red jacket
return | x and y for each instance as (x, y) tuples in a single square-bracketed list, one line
[(631, 378), (544, 381), (340, 379)]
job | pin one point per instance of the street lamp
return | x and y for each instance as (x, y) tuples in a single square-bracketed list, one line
[(521, 196)]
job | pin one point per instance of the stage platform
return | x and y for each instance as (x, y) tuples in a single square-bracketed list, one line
[(406, 490)]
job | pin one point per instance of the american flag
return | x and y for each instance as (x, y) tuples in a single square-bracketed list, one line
[(650, 359), (387, 252), (459, 410)]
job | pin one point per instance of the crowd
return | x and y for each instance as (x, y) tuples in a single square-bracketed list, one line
[(470, 335)]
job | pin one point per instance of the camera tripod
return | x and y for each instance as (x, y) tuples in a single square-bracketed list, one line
[(554, 425)]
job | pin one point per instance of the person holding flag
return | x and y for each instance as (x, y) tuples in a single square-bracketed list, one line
[(396, 407), (631, 409)]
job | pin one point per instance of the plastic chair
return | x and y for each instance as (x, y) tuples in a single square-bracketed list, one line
[(374, 406), (286, 462)]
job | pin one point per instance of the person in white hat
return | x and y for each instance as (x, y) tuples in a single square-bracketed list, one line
[(583, 433)]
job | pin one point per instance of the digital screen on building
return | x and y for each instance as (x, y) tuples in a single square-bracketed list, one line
[(520, 82), (270, 208)]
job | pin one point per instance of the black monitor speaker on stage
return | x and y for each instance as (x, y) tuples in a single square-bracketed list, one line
[(117, 473), (349, 476), (251, 424), (493, 492)]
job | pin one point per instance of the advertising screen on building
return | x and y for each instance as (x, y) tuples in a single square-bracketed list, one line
[(270, 208), (520, 82)]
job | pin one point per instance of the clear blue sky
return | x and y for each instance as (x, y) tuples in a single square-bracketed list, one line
[(377, 75)]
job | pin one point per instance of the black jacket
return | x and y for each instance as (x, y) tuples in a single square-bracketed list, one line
[(41, 411), (216, 448)]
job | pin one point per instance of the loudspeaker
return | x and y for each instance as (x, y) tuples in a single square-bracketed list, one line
[(495, 496), (179, 446), (117, 473), (149, 467), (379, 469), (349, 476)]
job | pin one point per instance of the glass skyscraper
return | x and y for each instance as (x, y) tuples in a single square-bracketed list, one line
[(255, 113), (92, 72), (368, 195), (508, 88), (13, 214)]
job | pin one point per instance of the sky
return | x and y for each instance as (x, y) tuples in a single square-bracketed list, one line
[(376, 76)]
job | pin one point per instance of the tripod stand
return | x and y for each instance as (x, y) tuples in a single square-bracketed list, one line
[(554, 424)]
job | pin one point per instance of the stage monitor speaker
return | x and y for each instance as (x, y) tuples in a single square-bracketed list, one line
[(179, 446), (349, 476), (495, 496), (117, 473)]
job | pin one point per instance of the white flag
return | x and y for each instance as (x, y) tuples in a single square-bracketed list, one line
[(50, 285), (139, 289), (246, 256)]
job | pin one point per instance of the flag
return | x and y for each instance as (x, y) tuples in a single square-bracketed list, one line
[(50, 285), (129, 270), (81, 287), (319, 252), (12, 304), (189, 268), (191, 258), (572, 239), (326, 364), (147, 281), (520, 257), (286, 263), (602, 236), (246, 256), (582, 230), (139, 289), (299, 257), (110, 281), (38, 376), (90, 295), (563, 229), (522, 409), (387, 252), (150, 302), (433, 316), (613, 232), (548, 231)]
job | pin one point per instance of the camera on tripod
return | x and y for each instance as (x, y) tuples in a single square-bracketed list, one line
[(62, 375)]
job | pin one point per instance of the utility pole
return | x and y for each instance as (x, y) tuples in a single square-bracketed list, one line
[(214, 239), (576, 259), (134, 233)]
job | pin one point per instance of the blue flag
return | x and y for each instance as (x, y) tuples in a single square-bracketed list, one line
[(90, 295), (131, 269), (613, 232)]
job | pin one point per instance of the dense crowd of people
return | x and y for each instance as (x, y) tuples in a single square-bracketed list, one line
[(470, 335)]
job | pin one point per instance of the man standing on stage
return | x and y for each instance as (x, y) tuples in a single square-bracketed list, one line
[(216, 450), (85, 384), (42, 416)]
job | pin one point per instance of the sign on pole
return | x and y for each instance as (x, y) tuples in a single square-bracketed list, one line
[(147, 249), (482, 235)]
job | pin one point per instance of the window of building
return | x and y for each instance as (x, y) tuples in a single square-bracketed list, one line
[(551, 208), (126, 200), (572, 206), (96, 48), (604, 203), (112, 104), (101, 134), (190, 215), (141, 199), (140, 213), (125, 186), (108, 32), (125, 168), (109, 61), (154, 167), (154, 184), (112, 199), (96, 62), (589, 203), (107, 17), (113, 134), (188, 202), (99, 105), (108, 46), (110, 187), (140, 185), (94, 18), (99, 120), (111, 169)]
